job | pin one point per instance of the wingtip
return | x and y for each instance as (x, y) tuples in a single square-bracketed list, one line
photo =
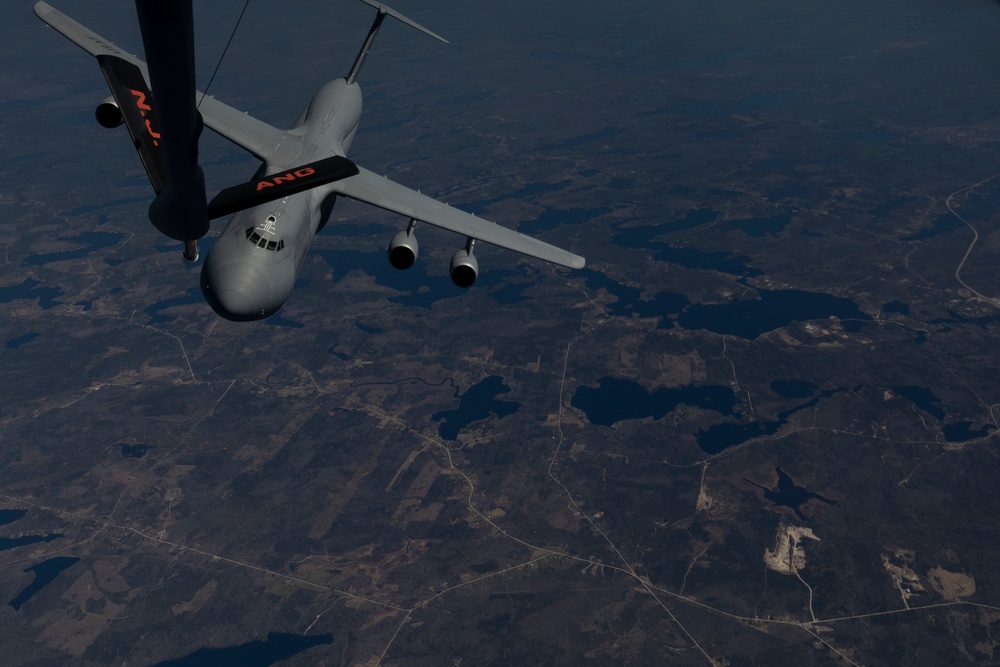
[(41, 8)]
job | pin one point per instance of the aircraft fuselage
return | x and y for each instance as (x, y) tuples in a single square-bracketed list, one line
[(251, 270)]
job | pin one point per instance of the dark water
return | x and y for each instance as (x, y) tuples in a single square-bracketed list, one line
[(645, 239), (896, 307), (339, 355), (45, 573), (747, 319), (10, 516), (773, 310), (134, 451), (793, 388), (663, 304), (758, 227), (417, 287), (13, 542), (91, 241), (923, 398), (642, 237), (279, 320), (15, 343), (723, 262), (277, 647), (786, 494), (192, 296), (510, 293), (962, 431), (943, 224), (617, 399), (408, 282), (369, 330), (478, 402), (29, 290), (719, 437)]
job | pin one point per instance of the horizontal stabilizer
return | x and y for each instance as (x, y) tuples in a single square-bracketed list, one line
[(275, 186), (385, 9), (135, 103)]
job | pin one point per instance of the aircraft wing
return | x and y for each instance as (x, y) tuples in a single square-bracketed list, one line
[(239, 127), (376, 190)]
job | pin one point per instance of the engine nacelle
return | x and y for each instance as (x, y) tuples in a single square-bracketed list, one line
[(403, 249), (108, 114), (464, 268)]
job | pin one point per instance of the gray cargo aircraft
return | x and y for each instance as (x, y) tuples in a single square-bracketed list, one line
[(250, 271)]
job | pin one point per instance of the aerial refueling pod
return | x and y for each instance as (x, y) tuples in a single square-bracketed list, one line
[(403, 249), (108, 114), (464, 266)]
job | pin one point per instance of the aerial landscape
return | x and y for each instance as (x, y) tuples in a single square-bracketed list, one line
[(758, 428)]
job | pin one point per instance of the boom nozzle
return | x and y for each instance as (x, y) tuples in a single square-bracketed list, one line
[(191, 251)]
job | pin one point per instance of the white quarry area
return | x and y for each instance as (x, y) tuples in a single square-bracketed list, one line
[(788, 556)]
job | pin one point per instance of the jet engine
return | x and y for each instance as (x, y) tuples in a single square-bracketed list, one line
[(464, 267), (108, 114), (403, 249)]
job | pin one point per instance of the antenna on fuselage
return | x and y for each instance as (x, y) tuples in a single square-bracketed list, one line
[(383, 11)]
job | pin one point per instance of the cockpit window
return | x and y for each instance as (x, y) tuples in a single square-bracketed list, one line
[(261, 242)]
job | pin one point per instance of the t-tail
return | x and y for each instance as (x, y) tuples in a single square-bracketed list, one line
[(383, 11)]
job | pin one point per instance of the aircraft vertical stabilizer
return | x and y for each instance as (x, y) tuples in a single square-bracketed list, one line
[(383, 11)]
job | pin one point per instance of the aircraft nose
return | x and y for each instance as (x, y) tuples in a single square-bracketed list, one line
[(237, 292)]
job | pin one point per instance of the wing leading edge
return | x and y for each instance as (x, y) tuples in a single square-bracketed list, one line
[(379, 191)]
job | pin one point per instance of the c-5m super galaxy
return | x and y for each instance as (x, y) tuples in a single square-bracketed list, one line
[(250, 271)]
